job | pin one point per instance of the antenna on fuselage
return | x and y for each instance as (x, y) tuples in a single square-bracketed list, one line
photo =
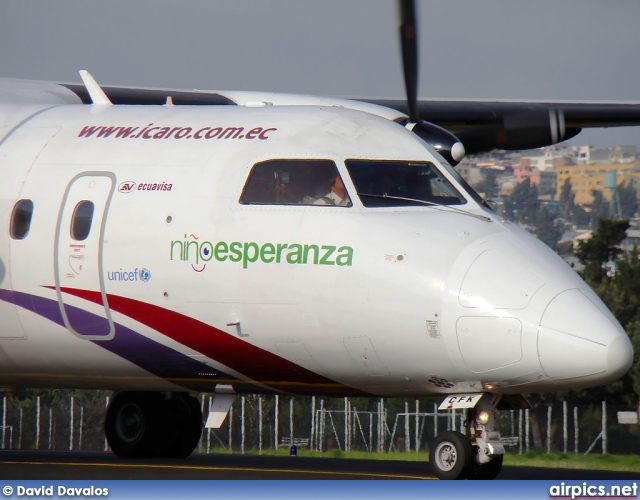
[(95, 92)]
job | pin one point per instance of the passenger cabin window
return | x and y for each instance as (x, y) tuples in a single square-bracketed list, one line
[(81, 220), (401, 184), (21, 219), (295, 182)]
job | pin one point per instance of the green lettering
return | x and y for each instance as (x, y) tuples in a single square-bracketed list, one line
[(316, 251), (186, 251), (295, 257), (281, 247), (206, 251), (256, 252), (267, 253), (344, 259), (291, 253), (236, 249), (220, 251), (329, 249), (173, 243)]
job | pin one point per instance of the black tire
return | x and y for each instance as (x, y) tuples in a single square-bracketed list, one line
[(130, 425), (490, 470), (450, 455), (188, 425)]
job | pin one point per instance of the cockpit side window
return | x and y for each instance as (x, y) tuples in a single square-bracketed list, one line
[(401, 183), (295, 182)]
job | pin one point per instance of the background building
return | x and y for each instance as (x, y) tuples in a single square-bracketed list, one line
[(585, 178)]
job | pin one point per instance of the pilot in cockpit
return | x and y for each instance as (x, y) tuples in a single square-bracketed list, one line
[(337, 194)]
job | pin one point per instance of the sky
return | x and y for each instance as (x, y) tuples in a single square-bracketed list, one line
[(485, 49)]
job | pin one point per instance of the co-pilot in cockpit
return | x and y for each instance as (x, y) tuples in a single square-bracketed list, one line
[(378, 183)]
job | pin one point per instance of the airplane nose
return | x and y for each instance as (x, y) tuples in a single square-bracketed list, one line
[(578, 344)]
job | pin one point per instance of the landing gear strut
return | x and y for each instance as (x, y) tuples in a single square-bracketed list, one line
[(479, 454), (153, 424)]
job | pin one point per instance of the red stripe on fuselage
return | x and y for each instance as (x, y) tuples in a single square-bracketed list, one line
[(258, 364)]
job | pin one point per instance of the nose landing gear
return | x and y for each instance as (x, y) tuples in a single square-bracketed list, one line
[(479, 454)]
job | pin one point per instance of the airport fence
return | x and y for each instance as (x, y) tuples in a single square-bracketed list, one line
[(258, 423)]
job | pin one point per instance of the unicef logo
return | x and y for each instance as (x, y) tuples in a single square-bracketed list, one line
[(145, 274)]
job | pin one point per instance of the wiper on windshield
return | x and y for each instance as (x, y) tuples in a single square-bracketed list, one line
[(425, 202)]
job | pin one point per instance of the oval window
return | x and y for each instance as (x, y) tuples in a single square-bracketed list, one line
[(81, 220), (21, 219)]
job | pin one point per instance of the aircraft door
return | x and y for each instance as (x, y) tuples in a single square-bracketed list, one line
[(78, 258)]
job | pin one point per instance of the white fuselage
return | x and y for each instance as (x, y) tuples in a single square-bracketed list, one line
[(179, 286)]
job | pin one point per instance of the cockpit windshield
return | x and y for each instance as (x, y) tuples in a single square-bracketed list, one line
[(401, 183)]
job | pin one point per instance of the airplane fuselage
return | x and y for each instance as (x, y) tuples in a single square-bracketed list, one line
[(179, 285)]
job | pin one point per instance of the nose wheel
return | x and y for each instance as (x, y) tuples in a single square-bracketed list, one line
[(450, 455), (477, 454)]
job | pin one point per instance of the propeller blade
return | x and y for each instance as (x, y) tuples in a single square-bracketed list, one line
[(409, 55), (445, 143)]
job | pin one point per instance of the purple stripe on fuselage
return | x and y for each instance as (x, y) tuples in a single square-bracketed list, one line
[(126, 343)]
